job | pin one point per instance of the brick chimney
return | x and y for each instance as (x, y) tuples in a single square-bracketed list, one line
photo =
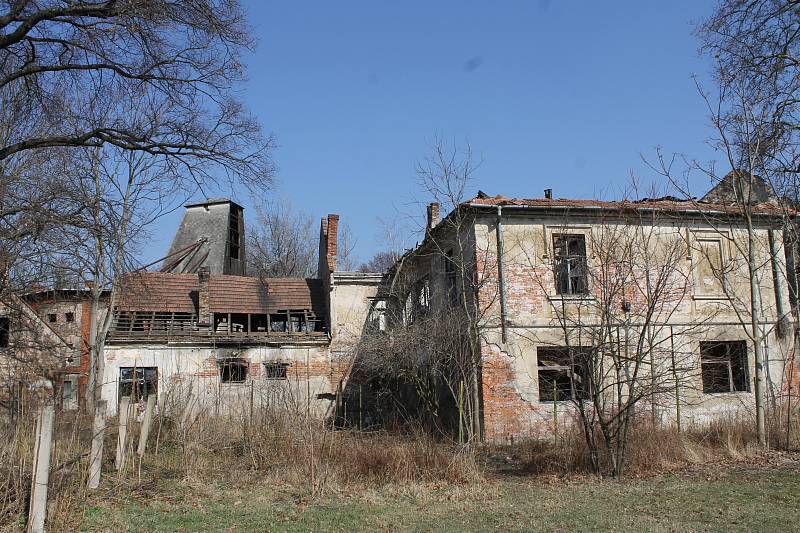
[(433, 217), (333, 236), (204, 297)]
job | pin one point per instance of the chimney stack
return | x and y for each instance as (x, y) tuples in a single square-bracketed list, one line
[(433, 217), (548, 194), (204, 297), (328, 234)]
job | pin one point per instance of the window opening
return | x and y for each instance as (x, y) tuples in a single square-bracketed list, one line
[(5, 329), (570, 264), (138, 382), (723, 366), (233, 233), (563, 373), (274, 370), (450, 277), (233, 370)]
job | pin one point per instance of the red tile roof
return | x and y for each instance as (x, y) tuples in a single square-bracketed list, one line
[(160, 291), (664, 204)]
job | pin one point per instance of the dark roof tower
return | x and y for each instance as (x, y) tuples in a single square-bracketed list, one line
[(212, 235)]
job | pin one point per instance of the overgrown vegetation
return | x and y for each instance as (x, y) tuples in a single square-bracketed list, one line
[(280, 457)]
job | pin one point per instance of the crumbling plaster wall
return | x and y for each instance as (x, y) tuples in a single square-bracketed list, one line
[(509, 376), (191, 374)]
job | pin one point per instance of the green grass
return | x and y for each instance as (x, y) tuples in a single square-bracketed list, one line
[(742, 500)]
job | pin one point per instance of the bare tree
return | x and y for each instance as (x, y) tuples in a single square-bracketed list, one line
[(380, 262), (615, 292), (282, 243), (753, 110), (143, 75), (424, 347)]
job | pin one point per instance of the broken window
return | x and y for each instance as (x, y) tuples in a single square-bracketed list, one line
[(724, 366), (5, 328), (52, 317), (275, 370), (138, 382), (69, 317), (570, 264), (233, 370), (563, 373)]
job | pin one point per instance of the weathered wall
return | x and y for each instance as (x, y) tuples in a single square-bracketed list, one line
[(511, 405), (191, 374)]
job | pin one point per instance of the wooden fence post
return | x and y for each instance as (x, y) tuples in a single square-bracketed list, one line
[(98, 436), (122, 439), (146, 423), (41, 469)]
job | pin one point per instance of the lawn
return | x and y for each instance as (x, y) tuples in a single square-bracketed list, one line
[(737, 498)]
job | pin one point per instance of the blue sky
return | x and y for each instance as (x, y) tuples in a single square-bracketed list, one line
[(550, 94)]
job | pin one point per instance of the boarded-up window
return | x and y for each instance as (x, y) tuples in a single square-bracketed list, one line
[(709, 268), (563, 373), (724, 366)]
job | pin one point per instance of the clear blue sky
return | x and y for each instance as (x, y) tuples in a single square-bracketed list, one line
[(560, 94)]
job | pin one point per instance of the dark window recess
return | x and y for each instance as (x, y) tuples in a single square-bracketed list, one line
[(233, 233), (52, 317), (138, 382), (69, 317), (724, 366), (570, 264), (277, 323), (258, 323), (563, 373), (5, 328), (450, 277), (233, 370), (275, 370)]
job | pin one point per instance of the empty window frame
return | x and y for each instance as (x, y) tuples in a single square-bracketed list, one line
[(52, 318), (377, 315), (273, 370), (563, 373), (138, 382), (723, 366), (5, 329), (569, 265), (233, 370), (69, 317)]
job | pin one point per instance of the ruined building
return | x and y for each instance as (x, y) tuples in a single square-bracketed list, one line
[(199, 330), (555, 289)]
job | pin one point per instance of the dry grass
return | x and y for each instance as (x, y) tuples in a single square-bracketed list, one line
[(650, 450), (286, 448)]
